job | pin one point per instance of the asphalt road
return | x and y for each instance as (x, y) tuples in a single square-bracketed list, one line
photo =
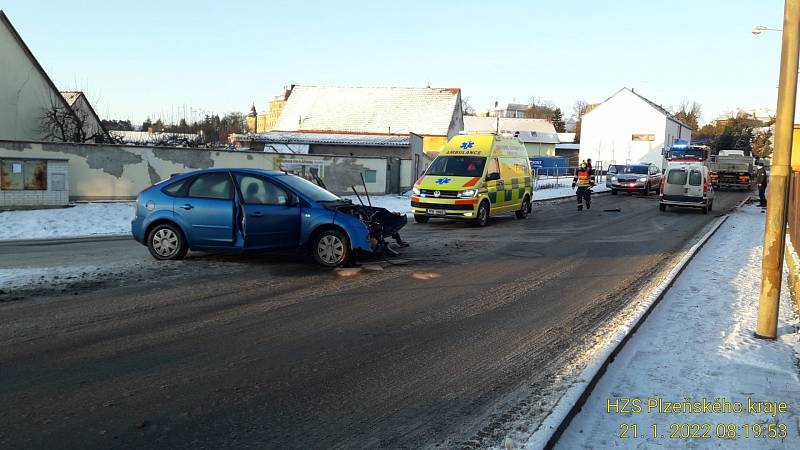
[(471, 334)]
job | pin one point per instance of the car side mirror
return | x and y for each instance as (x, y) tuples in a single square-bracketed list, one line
[(493, 176)]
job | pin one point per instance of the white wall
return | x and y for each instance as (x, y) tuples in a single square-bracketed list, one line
[(606, 131), (121, 172), (24, 92)]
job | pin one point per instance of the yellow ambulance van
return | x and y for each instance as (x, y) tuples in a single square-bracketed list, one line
[(475, 176)]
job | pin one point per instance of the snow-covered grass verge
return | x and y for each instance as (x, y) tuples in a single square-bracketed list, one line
[(81, 220), (114, 218), (698, 346)]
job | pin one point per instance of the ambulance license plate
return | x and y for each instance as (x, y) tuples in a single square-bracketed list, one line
[(435, 212)]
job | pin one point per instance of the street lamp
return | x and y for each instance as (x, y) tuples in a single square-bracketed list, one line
[(758, 29)]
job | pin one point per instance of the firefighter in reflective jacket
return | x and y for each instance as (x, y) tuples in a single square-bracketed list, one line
[(583, 180)]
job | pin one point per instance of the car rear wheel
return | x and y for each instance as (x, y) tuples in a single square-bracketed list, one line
[(662, 207), (331, 248), (421, 219), (166, 242), (525, 209), (613, 192), (483, 214)]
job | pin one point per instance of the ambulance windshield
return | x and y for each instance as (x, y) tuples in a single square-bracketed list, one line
[(457, 166)]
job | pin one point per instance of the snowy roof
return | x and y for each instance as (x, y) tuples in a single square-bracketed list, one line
[(284, 137), (366, 110), (477, 124), (71, 96), (144, 137), (537, 137), (515, 107), (566, 137)]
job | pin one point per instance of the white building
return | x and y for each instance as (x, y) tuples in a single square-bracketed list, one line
[(538, 135), (629, 128), (27, 93)]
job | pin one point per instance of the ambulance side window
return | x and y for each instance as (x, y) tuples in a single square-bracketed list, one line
[(494, 167)]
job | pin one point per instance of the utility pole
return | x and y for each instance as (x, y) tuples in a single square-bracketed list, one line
[(777, 206)]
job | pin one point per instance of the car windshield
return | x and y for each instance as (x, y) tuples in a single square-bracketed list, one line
[(309, 189), (635, 169), (457, 166), (613, 168)]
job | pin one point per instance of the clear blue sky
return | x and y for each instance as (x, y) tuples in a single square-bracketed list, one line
[(153, 58)]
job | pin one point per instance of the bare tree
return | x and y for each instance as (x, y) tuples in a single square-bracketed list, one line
[(689, 114), (61, 123), (762, 143), (540, 109), (467, 107), (579, 109)]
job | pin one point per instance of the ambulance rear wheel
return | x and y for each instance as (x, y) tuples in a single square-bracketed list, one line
[(421, 219), (525, 209), (483, 214)]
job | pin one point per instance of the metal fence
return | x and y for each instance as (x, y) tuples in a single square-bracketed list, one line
[(555, 177)]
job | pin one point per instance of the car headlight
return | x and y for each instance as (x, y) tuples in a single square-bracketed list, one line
[(643, 179), (415, 190), (468, 193), (613, 178)]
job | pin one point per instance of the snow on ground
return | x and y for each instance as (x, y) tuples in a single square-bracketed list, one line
[(394, 203), (83, 219), (114, 218), (696, 346)]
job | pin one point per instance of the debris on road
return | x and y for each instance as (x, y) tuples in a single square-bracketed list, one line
[(425, 275)]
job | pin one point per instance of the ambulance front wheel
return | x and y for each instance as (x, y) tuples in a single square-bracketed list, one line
[(525, 209), (483, 214), (421, 219)]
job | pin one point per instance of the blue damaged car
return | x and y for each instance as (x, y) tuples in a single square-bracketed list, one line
[(242, 210)]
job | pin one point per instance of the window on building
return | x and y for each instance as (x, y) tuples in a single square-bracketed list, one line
[(23, 175), (370, 176)]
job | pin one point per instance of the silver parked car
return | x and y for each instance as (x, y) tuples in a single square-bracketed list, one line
[(611, 172), (643, 178)]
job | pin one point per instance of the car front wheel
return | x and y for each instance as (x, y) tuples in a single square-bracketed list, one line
[(483, 214), (166, 242), (331, 248)]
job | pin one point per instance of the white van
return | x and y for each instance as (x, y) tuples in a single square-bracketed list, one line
[(687, 183)]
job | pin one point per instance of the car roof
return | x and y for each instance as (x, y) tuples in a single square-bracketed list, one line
[(250, 170)]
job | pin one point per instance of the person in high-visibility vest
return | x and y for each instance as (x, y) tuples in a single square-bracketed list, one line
[(583, 180)]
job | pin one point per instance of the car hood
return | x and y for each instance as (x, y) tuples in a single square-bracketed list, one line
[(446, 183)]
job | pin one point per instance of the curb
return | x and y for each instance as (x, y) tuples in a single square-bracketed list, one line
[(67, 240), (570, 404)]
